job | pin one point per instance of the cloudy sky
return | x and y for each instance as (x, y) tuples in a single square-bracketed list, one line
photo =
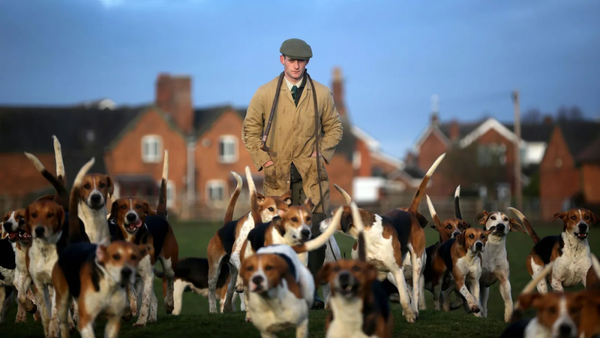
[(394, 54)]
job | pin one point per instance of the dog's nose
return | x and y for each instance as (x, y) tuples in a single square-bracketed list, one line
[(39, 231), (344, 277), (456, 233), (583, 227), (131, 217), (479, 245), (500, 227), (96, 198), (565, 330), (126, 273), (305, 233), (21, 221), (257, 279)]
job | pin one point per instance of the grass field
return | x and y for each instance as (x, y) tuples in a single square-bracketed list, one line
[(195, 321)]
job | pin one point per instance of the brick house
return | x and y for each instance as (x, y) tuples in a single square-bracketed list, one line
[(204, 147), (570, 169), (487, 138)]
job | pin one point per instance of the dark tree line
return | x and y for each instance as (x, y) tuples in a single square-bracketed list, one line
[(564, 113)]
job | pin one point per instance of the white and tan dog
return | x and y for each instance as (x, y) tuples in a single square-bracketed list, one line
[(392, 237), (280, 287), (495, 267), (569, 251)]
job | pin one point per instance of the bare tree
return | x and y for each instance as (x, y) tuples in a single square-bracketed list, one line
[(532, 115)]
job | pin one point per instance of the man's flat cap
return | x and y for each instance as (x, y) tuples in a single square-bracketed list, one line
[(296, 49)]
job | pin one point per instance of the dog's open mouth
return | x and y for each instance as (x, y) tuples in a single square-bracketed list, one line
[(346, 290), (132, 227), (12, 236), (581, 235), (24, 236)]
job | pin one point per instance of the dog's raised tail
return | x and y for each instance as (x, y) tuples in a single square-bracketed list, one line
[(318, 242), (414, 205), (234, 198), (346, 196), (62, 194), (534, 236), (58, 158), (254, 208), (360, 227), (457, 212), (161, 209), (74, 231)]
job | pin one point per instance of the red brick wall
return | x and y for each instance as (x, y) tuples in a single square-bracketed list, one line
[(591, 182), (493, 137), (430, 150), (19, 177), (387, 167), (208, 166), (126, 156), (339, 172), (559, 178), (365, 159)]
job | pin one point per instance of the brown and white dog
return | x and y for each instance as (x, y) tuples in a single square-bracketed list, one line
[(280, 287), (96, 275), (495, 265), (14, 229), (359, 303), (569, 251), (392, 237), (8, 271), (225, 246), (449, 228), (461, 258)]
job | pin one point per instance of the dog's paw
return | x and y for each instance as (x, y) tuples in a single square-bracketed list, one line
[(475, 309), (169, 308)]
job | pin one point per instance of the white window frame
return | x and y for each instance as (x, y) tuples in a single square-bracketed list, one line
[(216, 183), (228, 158), (152, 158)]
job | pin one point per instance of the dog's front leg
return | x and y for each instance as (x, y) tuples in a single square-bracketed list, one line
[(178, 288), (417, 272), (505, 292), (302, 329), (153, 314), (24, 284), (460, 285), (4, 303), (483, 297), (147, 275), (409, 314), (556, 285), (230, 288), (475, 290)]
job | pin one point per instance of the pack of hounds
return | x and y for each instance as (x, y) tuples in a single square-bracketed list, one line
[(82, 254)]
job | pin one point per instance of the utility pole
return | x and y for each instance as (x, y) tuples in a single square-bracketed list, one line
[(518, 171)]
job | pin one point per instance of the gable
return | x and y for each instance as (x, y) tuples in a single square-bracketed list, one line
[(484, 128), (431, 131)]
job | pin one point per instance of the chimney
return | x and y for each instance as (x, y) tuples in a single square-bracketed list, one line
[(435, 110), (454, 130), (435, 119), (338, 91), (174, 97)]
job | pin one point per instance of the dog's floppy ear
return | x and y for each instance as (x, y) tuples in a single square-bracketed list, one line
[(101, 249), (148, 210), (309, 204), (278, 224), (287, 198), (260, 198), (482, 217), (515, 226), (461, 239), (561, 215), (111, 187), (3, 234), (322, 276), (530, 300), (113, 211), (595, 218)]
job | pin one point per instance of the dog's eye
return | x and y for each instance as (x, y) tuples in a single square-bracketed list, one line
[(552, 310), (448, 226), (307, 219), (271, 209), (336, 269), (50, 215), (249, 268), (574, 310), (586, 217), (123, 206), (294, 219), (116, 257), (268, 268), (493, 218), (505, 219), (471, 236), (6, 218), (573, 217), (356, 268), (101, 185), (482, 236), (137, 206), (34, 215), (87, 186), (134, 257)]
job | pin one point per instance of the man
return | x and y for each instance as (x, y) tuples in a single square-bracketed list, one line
[(291, 161)]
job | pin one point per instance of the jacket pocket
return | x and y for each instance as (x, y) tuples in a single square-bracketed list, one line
[(271, 177)]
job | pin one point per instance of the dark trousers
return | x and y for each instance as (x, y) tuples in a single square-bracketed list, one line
[(316, 257)]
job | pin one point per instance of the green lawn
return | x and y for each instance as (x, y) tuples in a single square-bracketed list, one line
[(195, 320)]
